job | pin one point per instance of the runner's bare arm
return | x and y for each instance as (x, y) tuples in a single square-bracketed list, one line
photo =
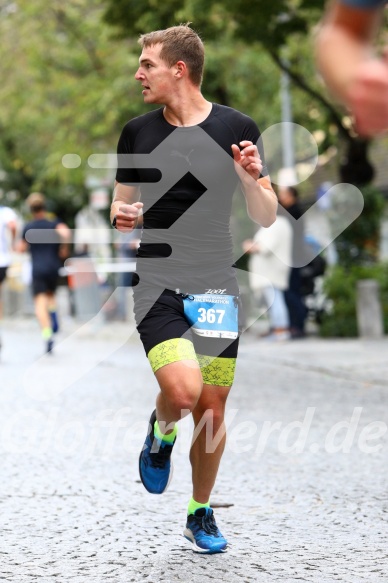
[(65, 237), (261, 199), (125, 206)]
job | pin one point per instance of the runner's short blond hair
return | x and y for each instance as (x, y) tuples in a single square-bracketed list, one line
[(179, 43)]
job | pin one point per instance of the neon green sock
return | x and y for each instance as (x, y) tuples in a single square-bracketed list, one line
[(169, 437), (193, 506), (47, 333)]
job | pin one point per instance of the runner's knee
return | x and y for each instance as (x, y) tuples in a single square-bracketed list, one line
[(181, 395)]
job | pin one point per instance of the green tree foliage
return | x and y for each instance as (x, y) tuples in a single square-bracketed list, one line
[(359, 244), (65, 88), (269, 23)]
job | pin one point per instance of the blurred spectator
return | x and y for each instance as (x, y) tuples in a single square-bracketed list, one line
[(345, 57), (46, 256), (90, 221), (288, 198), (8, 227), (269, 271)]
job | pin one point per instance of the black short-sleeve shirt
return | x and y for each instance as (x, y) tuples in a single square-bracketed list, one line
[(187, 192)]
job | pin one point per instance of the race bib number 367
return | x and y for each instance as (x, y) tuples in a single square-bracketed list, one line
[(214, 316)]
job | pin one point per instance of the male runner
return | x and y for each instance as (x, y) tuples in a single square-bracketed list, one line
[(349, 65), (184, 263), (46, 261)]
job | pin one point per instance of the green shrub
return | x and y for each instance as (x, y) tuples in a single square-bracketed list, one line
[(359, 243), (340, 287)]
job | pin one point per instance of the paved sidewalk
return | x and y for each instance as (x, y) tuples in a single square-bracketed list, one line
[(302, 491)]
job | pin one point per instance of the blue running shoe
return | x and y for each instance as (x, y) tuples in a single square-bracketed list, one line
[(54, 322), (201, 530), (49, 346), (155, 465)]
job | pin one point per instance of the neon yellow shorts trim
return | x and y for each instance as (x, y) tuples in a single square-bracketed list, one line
[(215, 370), (171, 350)]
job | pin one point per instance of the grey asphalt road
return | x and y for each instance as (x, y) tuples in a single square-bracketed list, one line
[(302, 491)]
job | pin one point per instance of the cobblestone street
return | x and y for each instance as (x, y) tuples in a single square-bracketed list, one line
[(302, 490)]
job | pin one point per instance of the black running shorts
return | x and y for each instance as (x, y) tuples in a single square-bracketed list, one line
[(167, 337)]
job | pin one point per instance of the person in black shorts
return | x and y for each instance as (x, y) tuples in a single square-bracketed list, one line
[(46, 261), (188, 157)]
